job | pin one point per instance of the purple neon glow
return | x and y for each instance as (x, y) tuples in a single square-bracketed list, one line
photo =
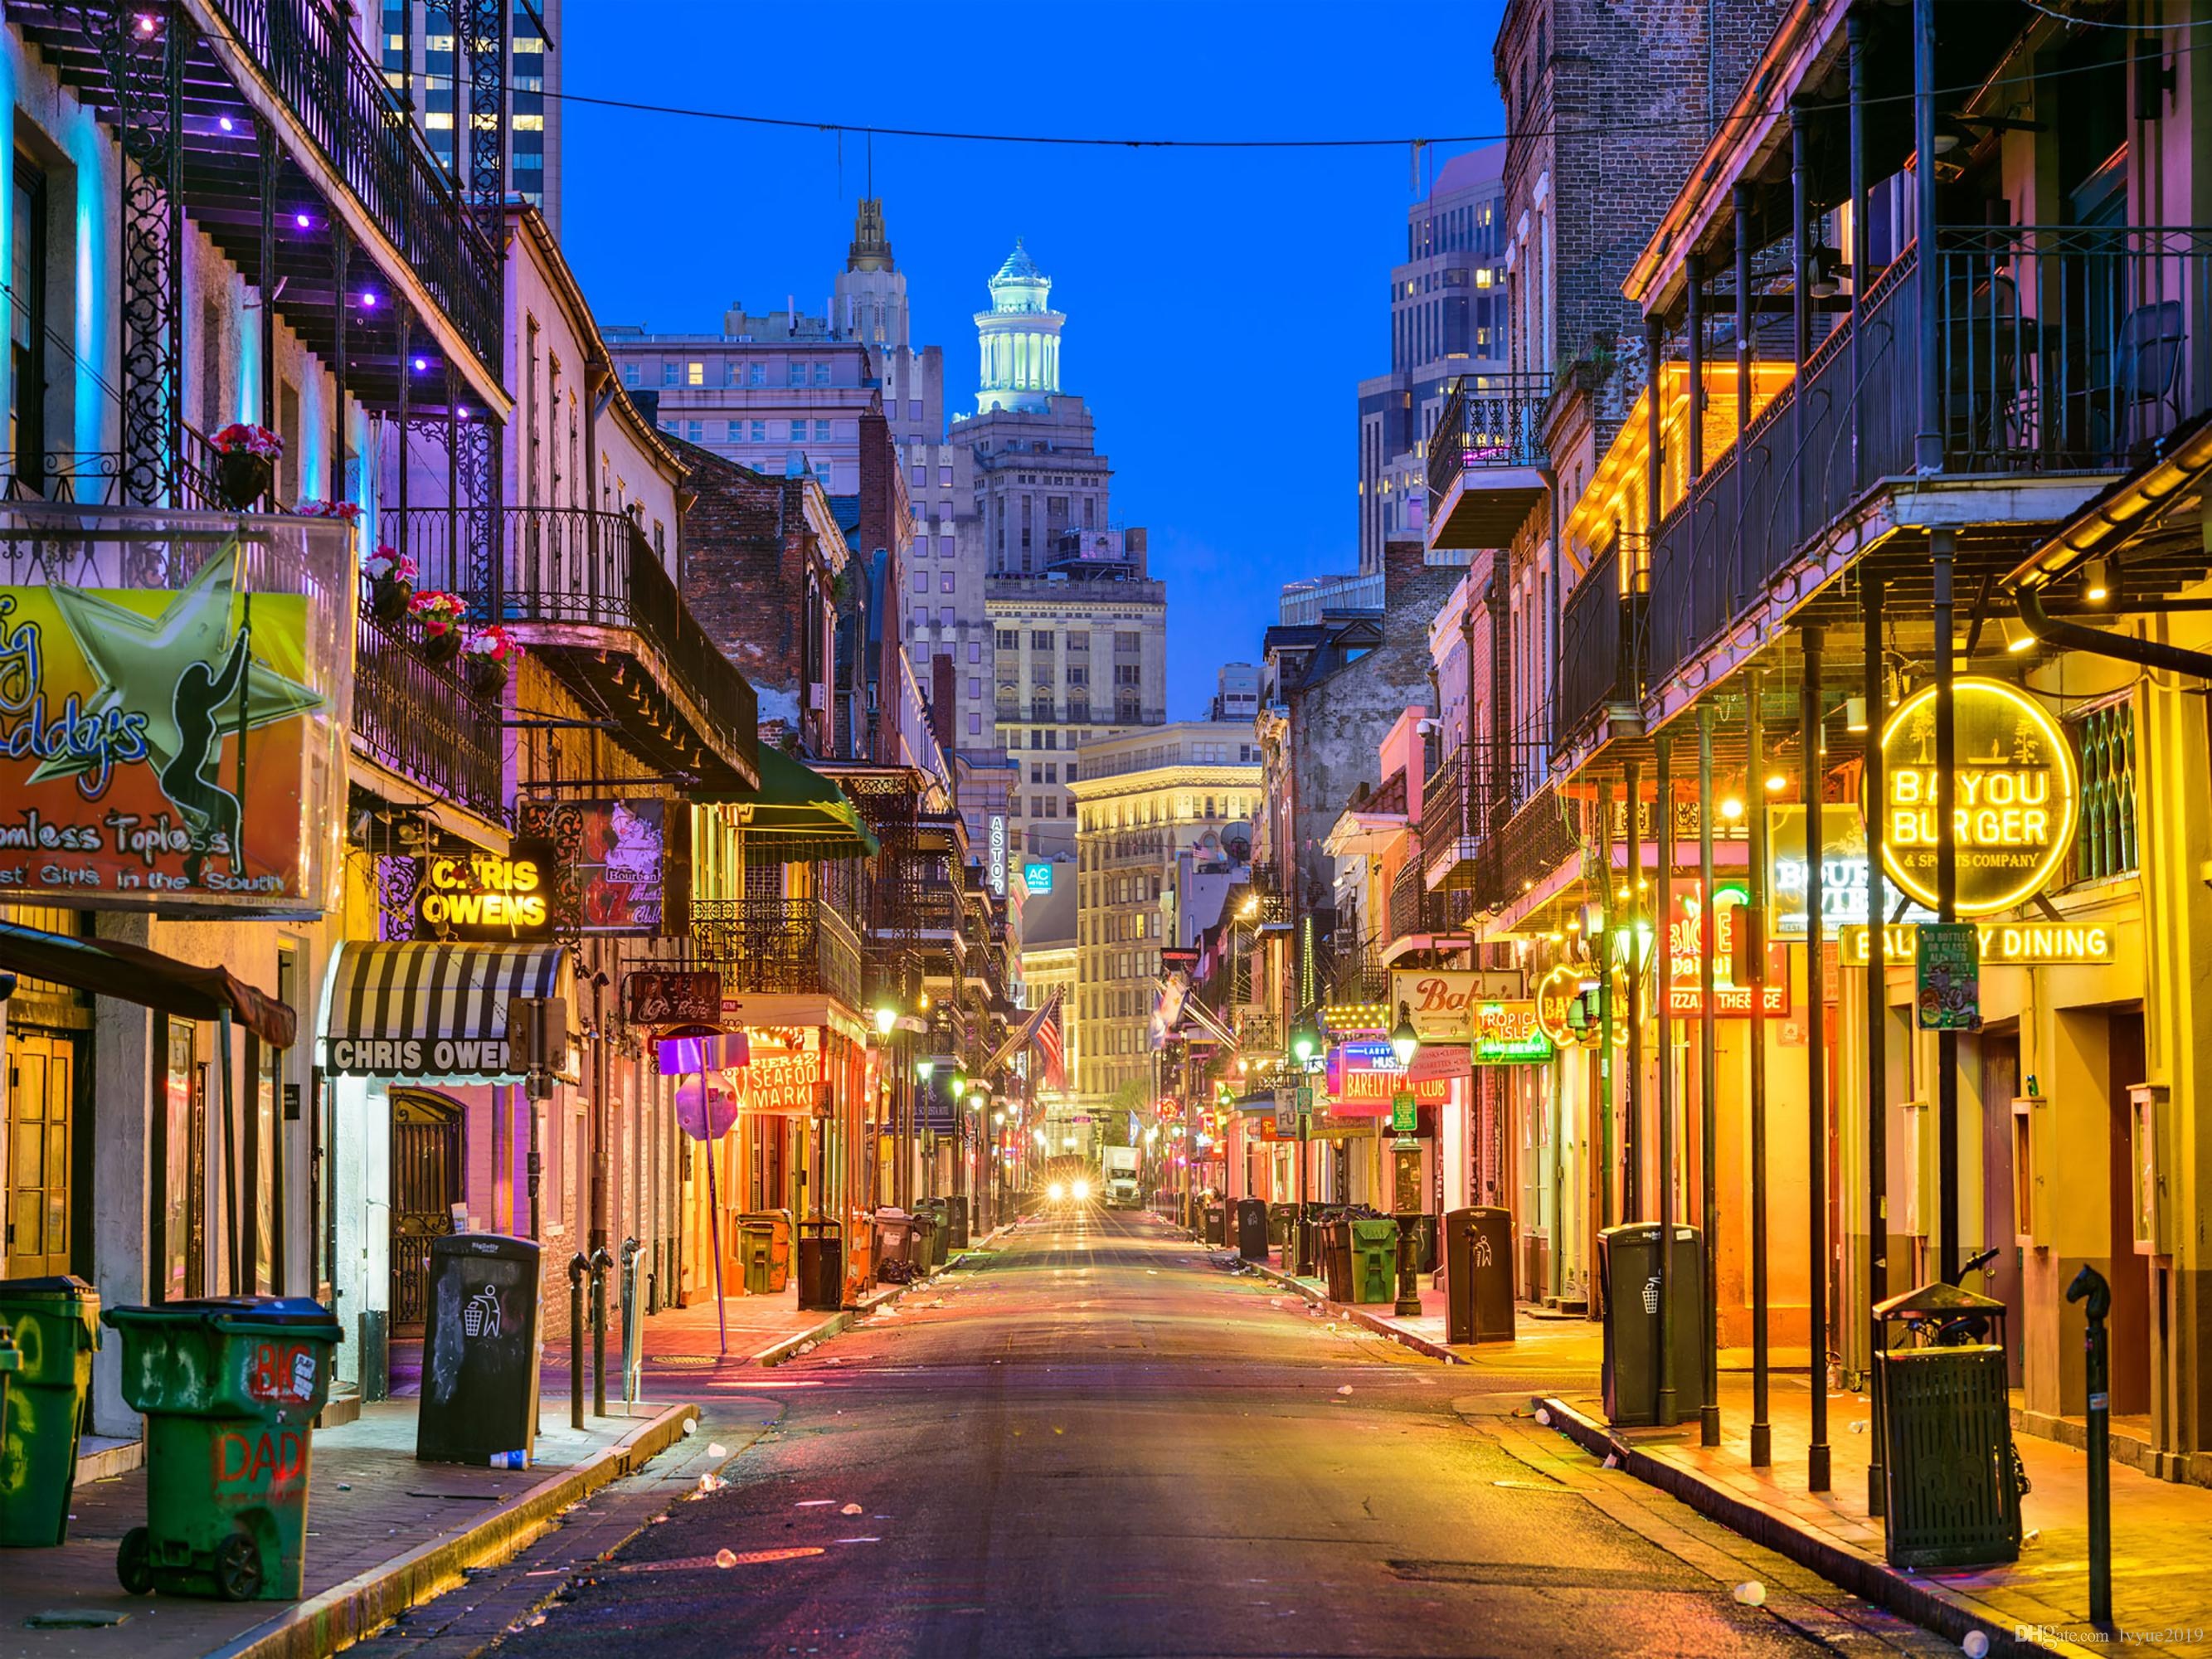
[(224, 122), (369, 301), (421, 363)]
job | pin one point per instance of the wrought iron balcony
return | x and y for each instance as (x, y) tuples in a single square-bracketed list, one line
[(589, 587), (419, 722), (1486, 459), (1538, 839), (1599, 647), (2057, 349), (778, 946), (1414, 909)]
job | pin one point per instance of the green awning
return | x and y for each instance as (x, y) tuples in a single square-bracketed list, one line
[(797, 816)]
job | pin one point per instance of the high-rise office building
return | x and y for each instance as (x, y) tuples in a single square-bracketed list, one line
[(419, 61), (1236, 692), (1447, 318)]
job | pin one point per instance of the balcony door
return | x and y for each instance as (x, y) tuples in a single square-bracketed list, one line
[(42, 1081)]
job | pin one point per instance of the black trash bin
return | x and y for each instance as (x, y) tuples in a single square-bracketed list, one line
[(1334, 1248), (1282, 1228), (1479, 1275), (1952, 1494), (1426, 1259), (480, 1352), (1628, 1264), (1252, 1229), (960, 1219), (821, 1265), (1215, 1223)]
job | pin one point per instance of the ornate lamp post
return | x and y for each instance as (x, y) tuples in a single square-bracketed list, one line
[(1304, 1040), (1404, 1043)]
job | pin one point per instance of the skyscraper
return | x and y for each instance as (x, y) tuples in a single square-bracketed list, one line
[(419, 61)]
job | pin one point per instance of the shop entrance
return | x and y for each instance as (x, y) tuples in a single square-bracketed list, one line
[(2000, 1056), (428, 1162), (42, 1081), (2129, 1323)]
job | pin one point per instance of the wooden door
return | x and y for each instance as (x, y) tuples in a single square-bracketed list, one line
[(41, 1085), (428, 1170)]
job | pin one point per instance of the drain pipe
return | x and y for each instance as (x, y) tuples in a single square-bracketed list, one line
[(2125, 647)]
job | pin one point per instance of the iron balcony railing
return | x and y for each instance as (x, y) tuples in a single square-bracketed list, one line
[(1413, 908), (419, 721), (778, 946), (1488, 420), (1600, 634), (95, 478), (318, 67), (2056, 349), (573, 567), (1445, 814), (1540, 836)]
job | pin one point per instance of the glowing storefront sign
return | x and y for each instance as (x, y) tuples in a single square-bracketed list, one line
[(2016, 796), (1686, 931), (1555, 997), (496, 897), (1363, 1076), (1508, 1034), (1036, 876), (2003, 945), (998, 864)]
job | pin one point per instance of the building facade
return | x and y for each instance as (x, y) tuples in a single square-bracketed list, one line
[(421, 63)]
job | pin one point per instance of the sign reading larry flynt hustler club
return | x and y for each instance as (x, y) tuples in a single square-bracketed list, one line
[(158, 746)]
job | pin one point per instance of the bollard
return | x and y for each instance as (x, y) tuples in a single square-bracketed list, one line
[(633, 1320), (600, 1262), (1409, 1291), (2089, 1286), (578, 1267)]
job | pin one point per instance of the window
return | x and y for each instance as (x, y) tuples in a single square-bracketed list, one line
[(921, 581), (755, 373), (798, 374), (945, 477), (913, 409), (974, 686), (1052, 806), (945, 617), (974, 651), (1051, 772), (1009, 638), (696, 431), (1052, 739), (737, 432), (760, 432), (1128, 645), (975, 726), (822, 375), (822, 432), (695, 373), (1078, 644), (1125, 674), (1036, 806), (669, 371), (630, 373), (1077, 675), (1040, 639), (27, 328), (944, 582)]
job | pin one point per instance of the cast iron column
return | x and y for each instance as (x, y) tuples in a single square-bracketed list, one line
[(1874, 688), (1709, 1410), (1753, 922), (1809, 775), (1663, 910)]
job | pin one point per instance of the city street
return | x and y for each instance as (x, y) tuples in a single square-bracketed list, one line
[(1103, 1440)]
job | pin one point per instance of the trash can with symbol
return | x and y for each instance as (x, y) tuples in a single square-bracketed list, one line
[(1479, 1275), (1952, 1491), (1628, 1264), (228, 1386), (1252, 1229), (56, 1326), (480, 1352)]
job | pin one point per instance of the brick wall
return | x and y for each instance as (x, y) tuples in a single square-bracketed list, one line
[(746, 553)]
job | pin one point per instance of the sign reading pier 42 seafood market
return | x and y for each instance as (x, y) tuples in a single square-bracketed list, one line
[(169, 745), (2015, 796)]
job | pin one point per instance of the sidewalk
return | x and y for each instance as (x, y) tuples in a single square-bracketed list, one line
[(384, 1532), (2161, 1532)]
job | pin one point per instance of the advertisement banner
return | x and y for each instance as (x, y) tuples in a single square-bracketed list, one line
[(169, 747), (1685, 945), (1949, 975), (1364, 1075), (1509, 1034), (1442, 1001), (788, 1072), (623, 868)]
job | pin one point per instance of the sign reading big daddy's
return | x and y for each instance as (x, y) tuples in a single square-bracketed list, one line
[(160, 744)]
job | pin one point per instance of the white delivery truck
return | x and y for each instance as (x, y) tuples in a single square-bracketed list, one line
[(1120, 1164)]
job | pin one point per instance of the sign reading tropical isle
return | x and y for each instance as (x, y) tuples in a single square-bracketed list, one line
[(2015, 802), (156, 743)]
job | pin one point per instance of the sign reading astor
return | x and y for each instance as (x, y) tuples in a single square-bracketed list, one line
[(2014, 800)]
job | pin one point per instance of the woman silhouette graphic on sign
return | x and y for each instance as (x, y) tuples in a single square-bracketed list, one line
[(210, 809)]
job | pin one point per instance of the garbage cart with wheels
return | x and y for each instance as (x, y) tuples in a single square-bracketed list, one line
[(1373, 1260), (894, 1242), (56, 1326), (228, 1386)]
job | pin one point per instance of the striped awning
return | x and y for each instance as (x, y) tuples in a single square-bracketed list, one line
[(432, 1011)]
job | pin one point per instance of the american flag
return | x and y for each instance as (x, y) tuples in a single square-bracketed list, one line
[(1049, 1042)]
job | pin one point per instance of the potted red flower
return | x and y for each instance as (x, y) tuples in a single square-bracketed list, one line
[(246, 458), (391, 583), (439, 616), (488, 656)]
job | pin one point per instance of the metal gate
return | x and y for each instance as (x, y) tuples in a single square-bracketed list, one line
[(428, 1166)]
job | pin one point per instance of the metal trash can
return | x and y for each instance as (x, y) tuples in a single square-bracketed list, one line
[(1282, 1230), (1479, 1275), (960, 1214), (480, 1352), (821, 1265), (1252, 1229), (1628, 1263), (927, 1254), (228, 1387), (1333, 1248), (55, 1325), (1953, 1496), (1374, 1251), (1215, 1223)]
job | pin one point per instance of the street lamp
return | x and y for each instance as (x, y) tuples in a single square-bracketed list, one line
[(923, 1068), (1304, 1042), (886, 1017), (1405, 1042)]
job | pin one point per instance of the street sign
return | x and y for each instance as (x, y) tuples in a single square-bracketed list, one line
[(1403, 1114), (1950, 976), (1286, 1112)]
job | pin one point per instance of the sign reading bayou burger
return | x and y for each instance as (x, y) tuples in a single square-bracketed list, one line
[(1442, 1001), (2015, 796)]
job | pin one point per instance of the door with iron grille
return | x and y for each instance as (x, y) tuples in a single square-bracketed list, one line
[(428, 1165)]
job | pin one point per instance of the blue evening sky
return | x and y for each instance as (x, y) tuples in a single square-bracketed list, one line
[(1222, 305)]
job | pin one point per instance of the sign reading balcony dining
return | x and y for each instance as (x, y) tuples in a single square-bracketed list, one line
[(167, 746), (487, 897), (2015, 796), (1442, 1002), (2002, 944)]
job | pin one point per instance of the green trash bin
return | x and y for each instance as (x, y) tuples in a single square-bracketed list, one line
[(928, 1250), (1373, 1260), (764, 1250), (229, 1386), (56, 1326)]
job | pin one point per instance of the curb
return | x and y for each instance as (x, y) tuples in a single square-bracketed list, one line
[(784, 1346), (1927, 1604), (1359, 1315), (346, 1613)]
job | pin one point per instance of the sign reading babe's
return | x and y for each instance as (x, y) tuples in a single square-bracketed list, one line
[(2015, 796), (1442, 1002), (155, 743), (487, 897)]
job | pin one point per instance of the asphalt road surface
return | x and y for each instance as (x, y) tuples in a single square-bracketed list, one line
[(1104, 1442)]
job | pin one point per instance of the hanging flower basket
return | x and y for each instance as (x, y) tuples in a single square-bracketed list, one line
[(244, 463), (390, 584), (488, 656), (438, 615)]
